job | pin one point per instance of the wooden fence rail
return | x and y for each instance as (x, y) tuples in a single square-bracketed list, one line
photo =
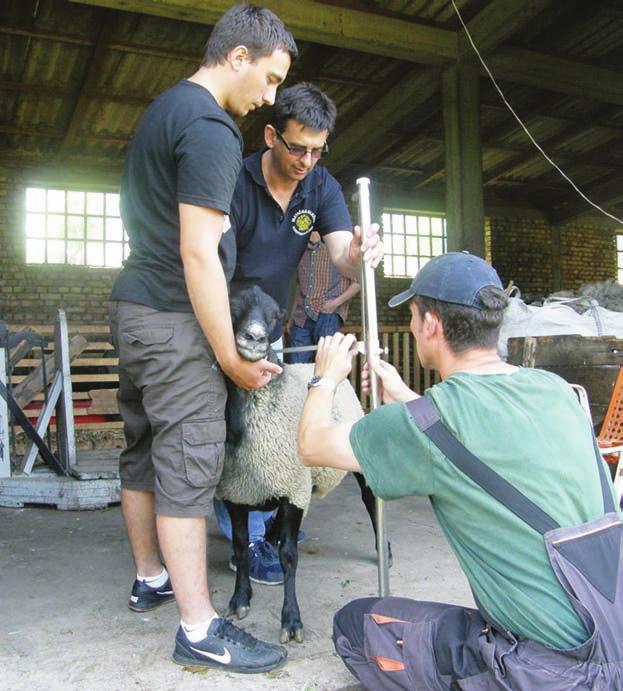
[(95, 380)]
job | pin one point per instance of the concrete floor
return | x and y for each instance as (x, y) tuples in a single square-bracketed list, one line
[(65, 579)]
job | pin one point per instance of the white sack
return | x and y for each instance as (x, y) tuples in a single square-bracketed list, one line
[(557, 318)]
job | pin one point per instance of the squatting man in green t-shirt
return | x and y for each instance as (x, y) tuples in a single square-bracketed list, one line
[(526, 424)]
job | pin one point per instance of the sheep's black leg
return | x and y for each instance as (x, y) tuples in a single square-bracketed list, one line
[(272, 535), (240, 602), (289, 518), (369, 501)]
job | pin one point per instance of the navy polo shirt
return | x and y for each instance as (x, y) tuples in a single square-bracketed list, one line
[(269, 243)]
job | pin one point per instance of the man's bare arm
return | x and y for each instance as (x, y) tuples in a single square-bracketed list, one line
[(200, 234), (346, 249), (320, 441)]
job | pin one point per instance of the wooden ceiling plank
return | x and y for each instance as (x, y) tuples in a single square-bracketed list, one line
[(340, 27), (561, 75), (498, 21), (37, 89), (33, 32)]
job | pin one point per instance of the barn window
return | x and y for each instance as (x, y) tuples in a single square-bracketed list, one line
[(74, 227), (410, 240), (620, 258)]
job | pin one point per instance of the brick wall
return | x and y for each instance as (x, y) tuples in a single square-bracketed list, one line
[(541, 259), (32, 293)]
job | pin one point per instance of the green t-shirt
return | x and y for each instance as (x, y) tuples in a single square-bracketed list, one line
[(529, 427)]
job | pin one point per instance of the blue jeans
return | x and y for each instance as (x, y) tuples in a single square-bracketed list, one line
[(257, 521), (311, 332)]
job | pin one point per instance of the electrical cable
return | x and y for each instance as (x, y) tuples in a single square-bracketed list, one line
[(532, 139)]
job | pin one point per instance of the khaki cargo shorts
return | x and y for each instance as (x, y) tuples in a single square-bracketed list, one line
[(172, 400)]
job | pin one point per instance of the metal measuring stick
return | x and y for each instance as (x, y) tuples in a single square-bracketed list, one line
[(359, 346), (371, 341)]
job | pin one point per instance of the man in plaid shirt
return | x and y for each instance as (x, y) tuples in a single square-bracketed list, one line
[(322, 299)]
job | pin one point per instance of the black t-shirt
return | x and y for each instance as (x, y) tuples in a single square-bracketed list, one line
[(185, 149), (270, 243)]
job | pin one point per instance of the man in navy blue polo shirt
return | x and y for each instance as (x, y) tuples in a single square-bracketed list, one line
[(280, 197)]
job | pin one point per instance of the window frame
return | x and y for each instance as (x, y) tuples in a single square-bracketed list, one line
[(409, 268), (96, 219)]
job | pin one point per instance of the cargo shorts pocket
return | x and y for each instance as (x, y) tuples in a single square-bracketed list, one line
[(153, 335), (203, 446)]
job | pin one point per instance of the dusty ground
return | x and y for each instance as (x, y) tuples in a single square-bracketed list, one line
[(65, 579)]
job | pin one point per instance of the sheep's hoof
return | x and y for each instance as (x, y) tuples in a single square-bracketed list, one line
[(238, 611), (287, 635), (241, 612)]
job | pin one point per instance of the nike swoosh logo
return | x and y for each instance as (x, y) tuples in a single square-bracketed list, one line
[(224, 659), (164, 592)]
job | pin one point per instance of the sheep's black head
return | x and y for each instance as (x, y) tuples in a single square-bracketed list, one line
[(254, 315)]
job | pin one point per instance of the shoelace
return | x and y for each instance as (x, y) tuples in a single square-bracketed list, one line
[(229, 630)]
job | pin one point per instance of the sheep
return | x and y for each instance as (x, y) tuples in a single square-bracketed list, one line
[(261, 468)]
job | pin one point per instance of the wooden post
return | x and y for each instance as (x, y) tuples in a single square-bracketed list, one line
[(464, 197), (64, 410), (5, 459)]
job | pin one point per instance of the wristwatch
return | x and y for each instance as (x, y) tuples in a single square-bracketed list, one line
[(322, 383)]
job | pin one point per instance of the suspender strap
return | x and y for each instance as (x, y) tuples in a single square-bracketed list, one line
[(31, 432), (426, 417)]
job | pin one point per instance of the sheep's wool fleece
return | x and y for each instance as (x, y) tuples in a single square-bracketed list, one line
[(265, 464)]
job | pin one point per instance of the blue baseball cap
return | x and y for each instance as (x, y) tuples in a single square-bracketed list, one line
[(455, 277)]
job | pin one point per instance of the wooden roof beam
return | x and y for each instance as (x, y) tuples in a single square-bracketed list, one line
[(552, 73), (498, 21), (90, 79), (332, 25)]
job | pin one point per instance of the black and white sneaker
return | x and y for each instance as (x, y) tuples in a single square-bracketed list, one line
[(228, 647), (144, 598)]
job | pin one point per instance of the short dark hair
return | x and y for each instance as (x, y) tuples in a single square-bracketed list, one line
[(257, 28), (306, 104), (468, 327)]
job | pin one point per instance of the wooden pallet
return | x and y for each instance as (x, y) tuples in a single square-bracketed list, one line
[(99, 488)]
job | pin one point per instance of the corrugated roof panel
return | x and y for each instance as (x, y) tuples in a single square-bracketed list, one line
[(156, 74), (31, 110), (589, 139), (540, 128), (52, 63), (114, 119)]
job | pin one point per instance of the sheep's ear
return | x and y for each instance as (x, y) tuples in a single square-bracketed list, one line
[(235, 305)]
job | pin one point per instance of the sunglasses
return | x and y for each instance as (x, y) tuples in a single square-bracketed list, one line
[(300, 151)]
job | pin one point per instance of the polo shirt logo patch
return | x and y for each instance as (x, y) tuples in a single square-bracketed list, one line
[(303, 221)]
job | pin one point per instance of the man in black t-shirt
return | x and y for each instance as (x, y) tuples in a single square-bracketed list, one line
[(282, 196), (171, 326)]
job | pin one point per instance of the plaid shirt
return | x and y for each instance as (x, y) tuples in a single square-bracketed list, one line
[(318, 282)]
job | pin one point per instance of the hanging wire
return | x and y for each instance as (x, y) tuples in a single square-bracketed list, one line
[(525, 129)]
